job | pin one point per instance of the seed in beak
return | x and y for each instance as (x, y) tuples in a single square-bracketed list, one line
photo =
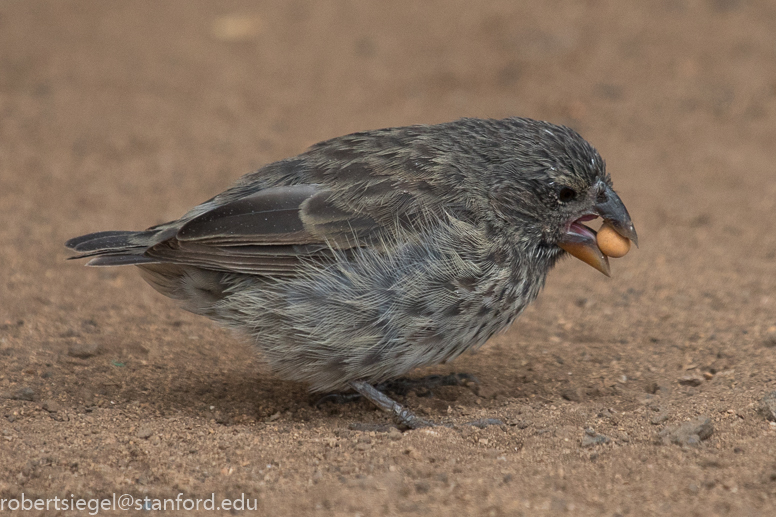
[(611, 243)]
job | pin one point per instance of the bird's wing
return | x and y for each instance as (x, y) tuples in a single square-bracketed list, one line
[(358, 190), (266, 232)]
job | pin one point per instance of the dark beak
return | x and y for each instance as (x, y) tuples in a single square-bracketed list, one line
[(613, 211), (580, 241)]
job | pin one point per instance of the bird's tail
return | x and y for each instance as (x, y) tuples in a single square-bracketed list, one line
[(114, 248), (198, 289)]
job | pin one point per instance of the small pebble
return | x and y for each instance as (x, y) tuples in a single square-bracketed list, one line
[(523, 424), (83, 350), (25, 393), (690, 433), (144, 433), (651, 387), (659, 418), (691, 379), (394, 434), (573, 394), (768, 406), (591, 438), (52, 406)]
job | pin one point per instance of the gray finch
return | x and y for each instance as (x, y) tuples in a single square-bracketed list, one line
[(378, 252)]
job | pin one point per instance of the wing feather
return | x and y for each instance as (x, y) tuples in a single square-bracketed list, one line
[(266, 233)]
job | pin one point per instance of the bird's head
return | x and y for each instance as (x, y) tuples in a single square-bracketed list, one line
[(551, 186)]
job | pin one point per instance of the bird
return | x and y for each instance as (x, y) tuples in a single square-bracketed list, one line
[(378, 252)]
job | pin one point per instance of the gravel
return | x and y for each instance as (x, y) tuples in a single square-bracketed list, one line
[(768, 406), (690, 433), (83, 350), (591, 438)]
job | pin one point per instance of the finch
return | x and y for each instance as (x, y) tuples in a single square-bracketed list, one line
[(382, 251)]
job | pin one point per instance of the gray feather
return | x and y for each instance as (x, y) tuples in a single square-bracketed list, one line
[(99, 240), (119, 260), (372, 253)]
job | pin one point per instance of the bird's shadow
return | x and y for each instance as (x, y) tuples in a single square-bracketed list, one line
[(229, 385), (248, 395)]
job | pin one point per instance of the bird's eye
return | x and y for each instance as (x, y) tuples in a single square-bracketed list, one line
[(567, 194)]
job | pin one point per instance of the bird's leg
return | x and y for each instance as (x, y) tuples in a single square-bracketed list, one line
[(403, 416), (403, 385)]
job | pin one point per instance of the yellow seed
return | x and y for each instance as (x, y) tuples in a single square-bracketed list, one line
[(611, 243)]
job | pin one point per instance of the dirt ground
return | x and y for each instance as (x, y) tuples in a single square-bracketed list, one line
[(123, 115)]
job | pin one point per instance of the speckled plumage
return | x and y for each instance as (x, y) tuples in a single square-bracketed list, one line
[(378, 252)]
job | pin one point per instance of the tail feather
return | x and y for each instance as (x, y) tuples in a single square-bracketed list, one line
[(114, 248), (120, 260), (100, 240)]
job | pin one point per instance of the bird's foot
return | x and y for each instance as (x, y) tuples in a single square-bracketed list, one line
[(404, 416), (401, 414), (403, 386)]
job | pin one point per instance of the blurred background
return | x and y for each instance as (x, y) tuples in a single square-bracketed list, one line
[(122, 115), (152, 107), (190, 95)]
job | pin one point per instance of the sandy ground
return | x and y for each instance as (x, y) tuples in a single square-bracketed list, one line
[(123, 115)]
